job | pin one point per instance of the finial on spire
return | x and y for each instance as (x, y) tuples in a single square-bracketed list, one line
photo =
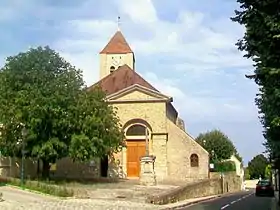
[(119, 22)]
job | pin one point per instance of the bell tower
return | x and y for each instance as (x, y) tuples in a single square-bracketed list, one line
[(115, 54)]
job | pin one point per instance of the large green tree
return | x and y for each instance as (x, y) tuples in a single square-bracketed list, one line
[(42, 92), (97, 127), (261, 43), (219, 146), (257, 166)]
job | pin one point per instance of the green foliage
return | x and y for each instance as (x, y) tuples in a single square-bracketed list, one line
[(46, 94), (247, 174), (38, 89), (224, 166), (219, 143), (261, 43), (98, 128), (268, 171), (257, 166), (60, 191)]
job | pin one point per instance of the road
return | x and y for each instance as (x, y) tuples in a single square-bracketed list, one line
[(239, 201)]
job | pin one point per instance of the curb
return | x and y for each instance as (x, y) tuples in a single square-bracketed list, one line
[(198, 201), (191, 203)]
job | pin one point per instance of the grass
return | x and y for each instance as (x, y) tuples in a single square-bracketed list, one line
[(39, 186), (86, 183)]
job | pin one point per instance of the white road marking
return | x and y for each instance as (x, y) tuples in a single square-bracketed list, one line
[(239, 199), (225, 206)]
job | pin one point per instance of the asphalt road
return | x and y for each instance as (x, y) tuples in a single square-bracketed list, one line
[(239, 201)]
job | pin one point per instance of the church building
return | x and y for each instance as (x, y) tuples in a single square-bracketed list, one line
[(147, 115), (151, 125)]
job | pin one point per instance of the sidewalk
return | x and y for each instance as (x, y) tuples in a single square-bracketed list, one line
[(187, 202), (275, 204), (276, 195)]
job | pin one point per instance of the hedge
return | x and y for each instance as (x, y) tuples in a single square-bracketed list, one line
[(51, 189), (225, 166)]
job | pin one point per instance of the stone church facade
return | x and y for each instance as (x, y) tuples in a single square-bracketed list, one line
[(147, 115)]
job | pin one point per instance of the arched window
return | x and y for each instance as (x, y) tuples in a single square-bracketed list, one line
[(194, 160), (112, 68), (136, 130)]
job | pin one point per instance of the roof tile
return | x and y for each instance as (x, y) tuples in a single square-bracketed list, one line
[(117, 45), (120, 79)]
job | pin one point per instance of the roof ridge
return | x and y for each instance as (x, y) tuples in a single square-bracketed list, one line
[(136, 78), (145, 81), (114, 72)]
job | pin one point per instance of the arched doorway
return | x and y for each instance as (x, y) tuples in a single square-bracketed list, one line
[(136, 135)]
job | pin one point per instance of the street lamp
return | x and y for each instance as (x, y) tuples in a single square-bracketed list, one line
[(213, 154), (147, 141), (212, 162), (23, 134)]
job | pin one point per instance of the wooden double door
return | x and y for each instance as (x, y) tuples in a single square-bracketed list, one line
[(135, 150)]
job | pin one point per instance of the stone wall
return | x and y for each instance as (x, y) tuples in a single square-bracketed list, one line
[(214, 186), (153, 113), (64, 168), (12, 167), (180, 146), (230, 180), (106, 62), (251, 184)]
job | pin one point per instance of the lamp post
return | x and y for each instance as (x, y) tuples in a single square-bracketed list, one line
[(147, 141), (24, 134), (213, 155), (204, 142)]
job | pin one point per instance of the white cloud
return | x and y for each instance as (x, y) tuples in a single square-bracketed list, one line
[(196, 46), (186, 53), (141, 11), (193, 41), (205, 108)]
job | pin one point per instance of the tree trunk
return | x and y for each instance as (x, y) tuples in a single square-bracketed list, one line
[(38, 169), (46, 170)]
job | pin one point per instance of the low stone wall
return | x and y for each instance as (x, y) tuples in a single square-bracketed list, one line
[(207, 187), (64, 168), (10, 166), (251, 184)]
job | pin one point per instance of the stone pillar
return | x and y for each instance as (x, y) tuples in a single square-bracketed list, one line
[(147, 173), (160, 151)]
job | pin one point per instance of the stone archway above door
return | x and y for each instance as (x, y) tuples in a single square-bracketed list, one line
[(136, 135)]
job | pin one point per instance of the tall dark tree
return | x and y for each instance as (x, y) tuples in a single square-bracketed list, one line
[(257, 166), (44, 93), (219, 146), (261, 43)]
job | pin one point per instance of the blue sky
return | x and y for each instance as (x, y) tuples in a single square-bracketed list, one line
[(184, 48)]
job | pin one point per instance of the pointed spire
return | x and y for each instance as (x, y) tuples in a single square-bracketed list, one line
[(117, 45)]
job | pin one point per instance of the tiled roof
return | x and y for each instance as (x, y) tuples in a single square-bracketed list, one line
[(117, 45), (121, 78)]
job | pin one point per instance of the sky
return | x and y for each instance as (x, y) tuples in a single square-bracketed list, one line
[(186, 49)]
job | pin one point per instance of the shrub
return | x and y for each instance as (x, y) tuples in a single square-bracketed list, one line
[(224, 166), (47, 188)]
